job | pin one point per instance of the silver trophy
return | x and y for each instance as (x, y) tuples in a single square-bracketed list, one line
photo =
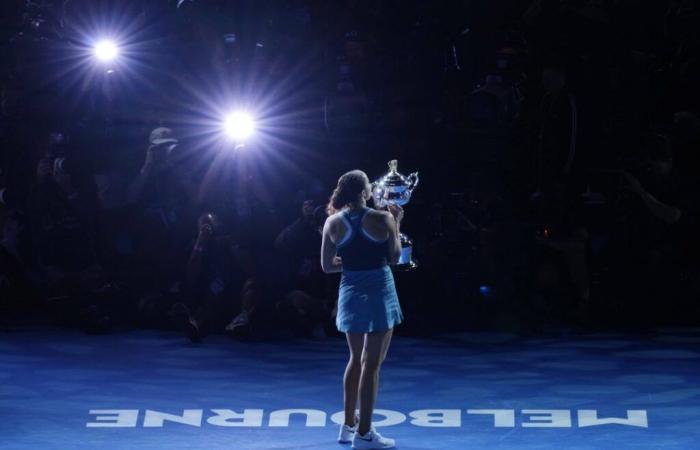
[(396, 189)]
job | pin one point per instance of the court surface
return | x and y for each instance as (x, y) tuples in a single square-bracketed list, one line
[(65, 390)]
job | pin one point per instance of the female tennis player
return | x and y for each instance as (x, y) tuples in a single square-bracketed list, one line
[(361, 243)]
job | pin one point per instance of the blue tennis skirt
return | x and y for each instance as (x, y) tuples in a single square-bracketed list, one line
[(367, 301)]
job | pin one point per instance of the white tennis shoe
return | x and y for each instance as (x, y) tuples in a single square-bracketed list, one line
[(346, 433), (371, 441)]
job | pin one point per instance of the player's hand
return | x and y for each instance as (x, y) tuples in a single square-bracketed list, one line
[(397, 212)]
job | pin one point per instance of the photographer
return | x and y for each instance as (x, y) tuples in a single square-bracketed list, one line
[(156, 184), (213, 279), (163, 213), (298, 244), (63, 210), (665, 227), (309, 301)]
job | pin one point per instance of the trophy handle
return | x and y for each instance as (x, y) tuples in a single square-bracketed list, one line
[(413, 180)]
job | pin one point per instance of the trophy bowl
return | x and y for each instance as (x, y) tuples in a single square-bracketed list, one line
[(396, 189)]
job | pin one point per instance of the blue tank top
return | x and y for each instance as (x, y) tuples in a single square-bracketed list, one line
[(358, 250)]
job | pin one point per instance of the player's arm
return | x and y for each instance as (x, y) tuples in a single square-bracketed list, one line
[(393, 223), (330, 262)]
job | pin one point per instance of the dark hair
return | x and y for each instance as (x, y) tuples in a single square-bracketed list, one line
[(350, 186)]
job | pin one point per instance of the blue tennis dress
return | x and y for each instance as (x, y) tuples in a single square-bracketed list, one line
[(367, 300)]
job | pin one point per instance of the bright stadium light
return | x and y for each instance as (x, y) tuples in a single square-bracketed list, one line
[(106, 50), (238, 126)]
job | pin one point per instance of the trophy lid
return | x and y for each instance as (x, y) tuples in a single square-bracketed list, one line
[(394, 178)]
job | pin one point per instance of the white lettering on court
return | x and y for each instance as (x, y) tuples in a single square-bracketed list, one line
[(191, 417), (436, 418), (114, 418), (390, 418), (230, 418), (635, 418), (314, 417), (548, 418), (502, 418)]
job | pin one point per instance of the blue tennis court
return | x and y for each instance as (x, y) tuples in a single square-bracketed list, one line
[(149, 390)]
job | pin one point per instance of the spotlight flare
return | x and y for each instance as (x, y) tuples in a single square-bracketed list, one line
[(106, 51), (239, 125)]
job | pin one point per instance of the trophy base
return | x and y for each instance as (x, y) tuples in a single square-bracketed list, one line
[(406, 267), (406, 261)]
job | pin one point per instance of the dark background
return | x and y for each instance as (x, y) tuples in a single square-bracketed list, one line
[(483, 98)]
